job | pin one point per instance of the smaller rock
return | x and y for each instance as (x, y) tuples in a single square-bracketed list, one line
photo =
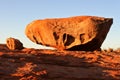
[(14, 44)]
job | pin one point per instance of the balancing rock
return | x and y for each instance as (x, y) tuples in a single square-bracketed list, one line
[(73, 33)]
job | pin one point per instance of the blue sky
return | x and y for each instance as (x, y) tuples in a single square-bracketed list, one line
[(16, 14)]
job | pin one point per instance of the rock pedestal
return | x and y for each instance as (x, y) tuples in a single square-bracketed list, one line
[(73, 33)]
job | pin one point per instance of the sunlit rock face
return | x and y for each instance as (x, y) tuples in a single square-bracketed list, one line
[(14, 44), (73, 33)]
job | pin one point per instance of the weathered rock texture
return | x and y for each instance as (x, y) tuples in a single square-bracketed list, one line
[(74, 33), (30, 64), (14, 44)]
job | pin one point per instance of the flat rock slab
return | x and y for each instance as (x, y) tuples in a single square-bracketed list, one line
[(31, 64)]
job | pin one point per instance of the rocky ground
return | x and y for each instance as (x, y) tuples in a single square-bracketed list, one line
[(35, 64)]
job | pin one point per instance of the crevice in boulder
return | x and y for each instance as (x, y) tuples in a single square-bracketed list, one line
[(69, 39)]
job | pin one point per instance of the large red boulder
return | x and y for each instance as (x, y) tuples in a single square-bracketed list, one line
[(73, 33)]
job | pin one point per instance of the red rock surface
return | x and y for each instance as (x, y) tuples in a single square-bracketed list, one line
[(14, 44), (73, 33), (34, 64)]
